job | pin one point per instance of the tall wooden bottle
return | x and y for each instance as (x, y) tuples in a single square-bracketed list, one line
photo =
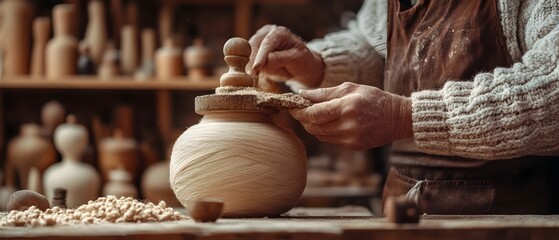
[(62, 49), (15, 37), (30, 150), (80, 180), (96, 32), (147, 68), (129, 49), (41, 34), (168, 61)]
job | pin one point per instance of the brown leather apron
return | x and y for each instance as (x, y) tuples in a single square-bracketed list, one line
[(437, 41)]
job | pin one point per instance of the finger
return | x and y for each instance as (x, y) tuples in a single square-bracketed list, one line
[(278, 38), (255, 42), (337, 140), (326, 94), (283, 58), (334, 128), (319, 113), (277, 73)]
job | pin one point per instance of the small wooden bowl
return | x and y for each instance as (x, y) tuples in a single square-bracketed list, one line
[(205, 210)]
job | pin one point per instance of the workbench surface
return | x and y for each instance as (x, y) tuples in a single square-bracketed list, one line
[(308, 223)]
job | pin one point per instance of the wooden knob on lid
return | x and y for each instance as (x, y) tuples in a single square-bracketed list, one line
[(237, 53)]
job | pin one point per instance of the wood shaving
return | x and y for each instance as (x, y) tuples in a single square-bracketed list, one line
[(108, 209)]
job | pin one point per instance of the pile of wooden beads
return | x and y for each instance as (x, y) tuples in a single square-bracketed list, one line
[(108, 209)]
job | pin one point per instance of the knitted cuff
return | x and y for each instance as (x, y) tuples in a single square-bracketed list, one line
[(429, 115)]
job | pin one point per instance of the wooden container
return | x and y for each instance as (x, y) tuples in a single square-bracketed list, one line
[(62, 50), (80, 180), (120, 184), (156, 186), (168, 61), (30, 150), (198, 60), (118, 152), (16, 36), (41, 35)]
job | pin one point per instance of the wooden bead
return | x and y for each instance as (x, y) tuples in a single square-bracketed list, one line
[(401, 210), (24, 199), (205, 210)]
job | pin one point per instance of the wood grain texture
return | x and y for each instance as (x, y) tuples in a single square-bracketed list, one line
[(300, 223)]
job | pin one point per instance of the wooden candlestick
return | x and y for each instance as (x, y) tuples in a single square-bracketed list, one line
[(41, 34), (96, 33), (62, 50)]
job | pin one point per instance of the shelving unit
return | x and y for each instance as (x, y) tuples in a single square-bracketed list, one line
[(163, 90), (123, 83)]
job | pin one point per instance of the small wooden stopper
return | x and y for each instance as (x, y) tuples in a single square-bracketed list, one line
[(237, 53), (59, 198), (24, 199), (205, 210), (401, 210)]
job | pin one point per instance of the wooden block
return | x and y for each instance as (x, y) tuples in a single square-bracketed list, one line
[(401, 210)]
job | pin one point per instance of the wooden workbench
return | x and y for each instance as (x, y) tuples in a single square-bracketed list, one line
[(305, 223)]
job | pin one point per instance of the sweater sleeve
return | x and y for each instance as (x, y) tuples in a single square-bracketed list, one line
[(507, 113), (356, 54)]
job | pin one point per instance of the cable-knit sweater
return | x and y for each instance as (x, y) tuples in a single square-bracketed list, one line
[(506, 113)]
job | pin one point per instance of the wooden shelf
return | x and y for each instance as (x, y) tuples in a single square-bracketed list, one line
[(122, 83), (209, 2)]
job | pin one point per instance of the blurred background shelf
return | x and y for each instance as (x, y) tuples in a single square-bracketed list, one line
[(119, 83)]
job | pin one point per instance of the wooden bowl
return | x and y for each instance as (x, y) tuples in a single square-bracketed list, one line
[(205, 210)]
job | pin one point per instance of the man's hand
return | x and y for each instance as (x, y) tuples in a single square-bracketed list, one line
[(356, 116), (284, 56)]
